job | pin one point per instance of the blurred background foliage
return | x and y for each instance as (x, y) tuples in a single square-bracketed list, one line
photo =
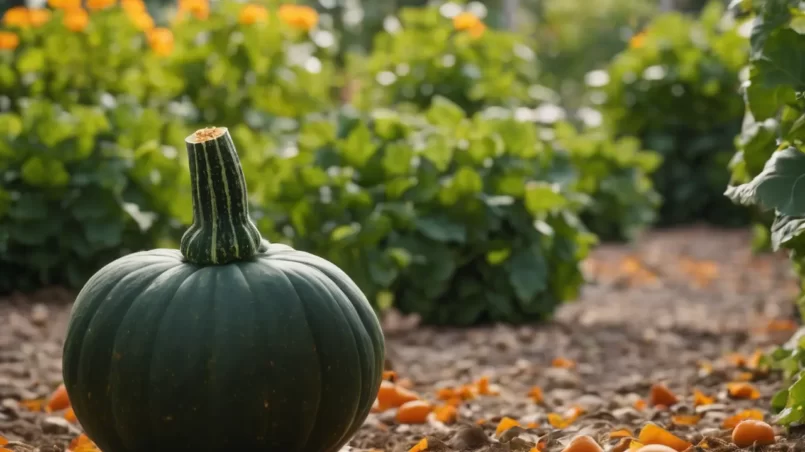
[(457, 159)]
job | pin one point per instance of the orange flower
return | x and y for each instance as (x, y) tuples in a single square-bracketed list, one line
[(299, 17), (97, 5), (132, 7), (17, 17), (638, 40), (142, 21), (478, 30), (8, 40), (200, 9), (466, 21), (76, 20), (252, 14), (64, 4), (161, 41), (39, 17)]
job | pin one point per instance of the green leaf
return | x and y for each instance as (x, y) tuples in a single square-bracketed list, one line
[(443, 112), (438, 151), (104, 234), (467, 181), (765, 101), (781, 184), (785, 230), (44, 173), (782, 61), (794, 410), (441, 229), (542, 198), (528, 273), (358, 147)]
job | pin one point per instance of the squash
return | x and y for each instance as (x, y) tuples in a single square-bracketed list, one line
[(230, 343)]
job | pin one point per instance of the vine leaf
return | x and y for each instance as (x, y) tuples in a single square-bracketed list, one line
[(780, 186)]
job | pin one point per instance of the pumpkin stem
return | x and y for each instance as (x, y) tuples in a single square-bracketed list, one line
[(222, 231)]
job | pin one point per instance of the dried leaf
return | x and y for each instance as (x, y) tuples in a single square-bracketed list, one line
[(686, 419), (732, 421), (701, 399), (421, 446), (743, 390), (535, 393), (654, 434), (505, 424)]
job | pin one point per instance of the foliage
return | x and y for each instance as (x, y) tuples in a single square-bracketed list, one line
[(770, 161), (428, 52), (676, 88), (615, 173), (450, 216), (82, 186)]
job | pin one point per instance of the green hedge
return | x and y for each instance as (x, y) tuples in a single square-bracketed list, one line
[(676, 88), (771, 162)]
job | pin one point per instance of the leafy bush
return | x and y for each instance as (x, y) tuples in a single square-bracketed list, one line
[(82, 186), (614, 173), (771, 161), (450, 216), (432, 51), (676, 88)]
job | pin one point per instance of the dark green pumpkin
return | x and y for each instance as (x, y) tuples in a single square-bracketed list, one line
[(228, 344)]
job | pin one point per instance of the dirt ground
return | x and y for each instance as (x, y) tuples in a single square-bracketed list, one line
[(679, 308)]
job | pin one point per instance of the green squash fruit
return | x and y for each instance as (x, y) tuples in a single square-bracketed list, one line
[(229, 344)]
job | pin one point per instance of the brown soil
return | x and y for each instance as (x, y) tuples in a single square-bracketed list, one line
[(668, 309)]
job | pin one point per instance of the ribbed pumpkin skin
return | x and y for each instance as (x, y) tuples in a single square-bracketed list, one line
[(281, 353)]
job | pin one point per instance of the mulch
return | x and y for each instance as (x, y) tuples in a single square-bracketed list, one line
[(678, 308)]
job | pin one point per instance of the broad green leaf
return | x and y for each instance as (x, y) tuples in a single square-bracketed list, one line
[(542, 198), (786, 229), (528, 272), (781, 184), (782, 61), (443, 112), (442, 229), (44, 173), (358, 147)]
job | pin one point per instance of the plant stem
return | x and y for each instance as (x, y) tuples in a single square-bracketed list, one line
[(222, 231)]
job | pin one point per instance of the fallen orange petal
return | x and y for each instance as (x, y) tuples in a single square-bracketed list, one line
[(753, 432), (661, 395), (532, 425), (3, 440), (621, 433), (421, 446), (535, 393), (654, 434), (446, 393), (33, 405), (481, 421), (403, 396), (505, 424), (743, 390), (732, 421), (640, 404), (563, 363), (736, 359), (446, 414), (700, 398), (414, 412), (583, 443), (635, 445), (69, 415), (59, 400), (686, 419), (387, 394), (389, 375)]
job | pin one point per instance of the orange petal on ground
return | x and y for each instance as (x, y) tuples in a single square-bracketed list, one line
[(389, 375), (33, 405), (421, 446), (535, 393), (700, 398), (686, 419), (59, 400), (743, 390), (640, 404), (505, 424), (387, 394), (732, 421), (446, 414), (661, 395), (414, 412), (563, 363), (753, 432), (654, 434), (583, 443), (620, 433), (446, 394), (69, 415), (403, 396)]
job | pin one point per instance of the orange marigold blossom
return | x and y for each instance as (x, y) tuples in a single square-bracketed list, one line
[(251, 14), (39, 16), (638, 40), (76, 20), (200, 9), (133, 6), (9, 40), (64, 4), (465, 21), (161, 41), (300, 17), (97, 5), (478, 30), (142, 21), (17, 17)]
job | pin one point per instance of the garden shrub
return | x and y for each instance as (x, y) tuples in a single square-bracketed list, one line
[(676, 88), (82, 186), (446, 215), (431, 51), (615, 173), (771, 162)]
